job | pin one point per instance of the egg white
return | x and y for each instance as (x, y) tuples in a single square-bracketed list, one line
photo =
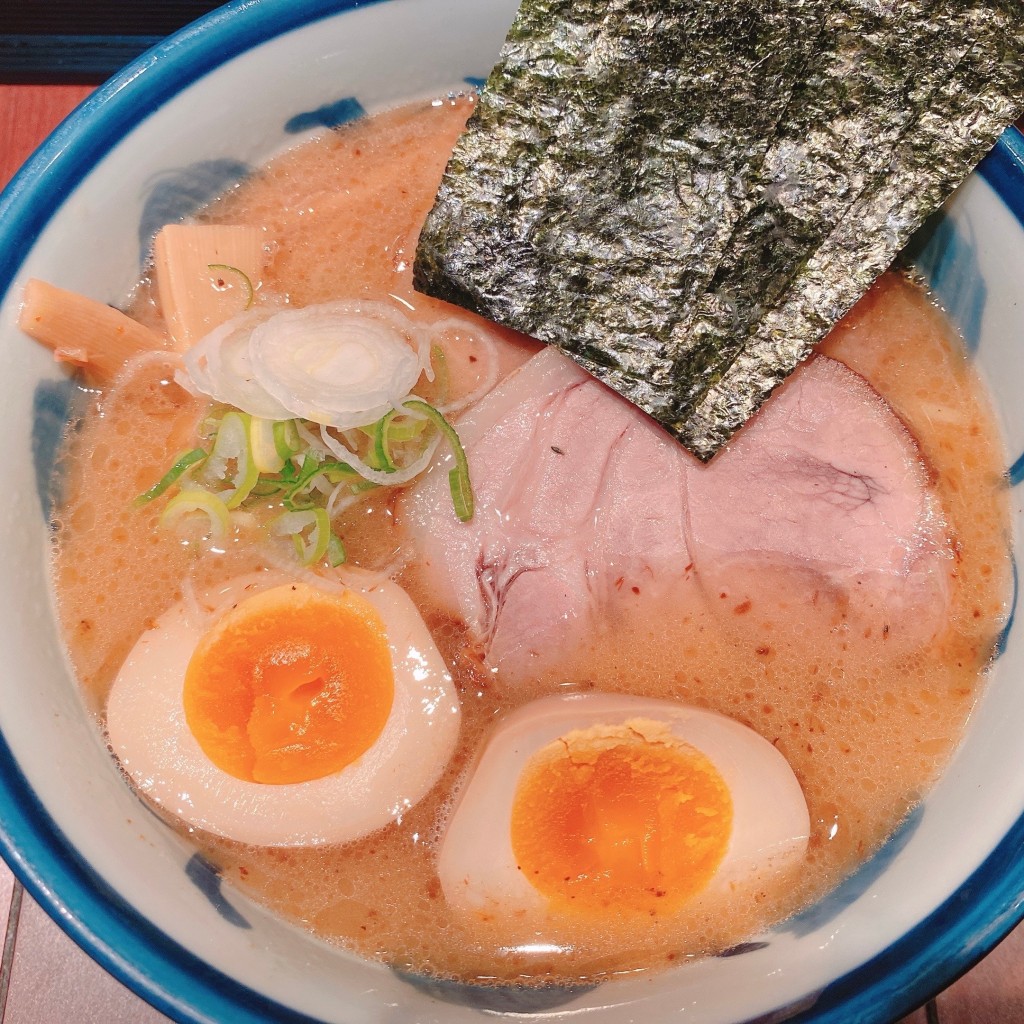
[(148, 733), (476, 864)]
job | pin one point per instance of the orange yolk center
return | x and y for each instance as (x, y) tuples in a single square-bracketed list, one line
[(624, 817), (290, 685)]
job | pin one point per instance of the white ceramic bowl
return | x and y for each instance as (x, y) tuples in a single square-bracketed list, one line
[(171, 130)]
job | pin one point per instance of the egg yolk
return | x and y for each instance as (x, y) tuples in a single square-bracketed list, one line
[(290, 685), (624, 817)]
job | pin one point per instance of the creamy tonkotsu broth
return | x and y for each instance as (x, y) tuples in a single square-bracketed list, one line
[(866, 713)]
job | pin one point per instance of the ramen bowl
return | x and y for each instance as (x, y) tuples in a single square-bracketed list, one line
[(173, 130)]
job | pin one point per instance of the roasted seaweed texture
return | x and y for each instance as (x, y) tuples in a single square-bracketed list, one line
[(685, 198), (871, 74), (979, 95), (597, 184)]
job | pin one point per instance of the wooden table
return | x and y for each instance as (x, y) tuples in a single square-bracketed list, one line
[(46, 979)]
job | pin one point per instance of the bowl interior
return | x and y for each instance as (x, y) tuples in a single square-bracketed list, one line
[(183, 123)]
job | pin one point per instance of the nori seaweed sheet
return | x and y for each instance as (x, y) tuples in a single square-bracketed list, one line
[(875, 71), (981, 94), (685, 200), (676, 103)]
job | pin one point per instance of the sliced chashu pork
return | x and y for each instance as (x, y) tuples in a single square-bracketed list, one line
[(583, 502), (828, 480), (551, 541)]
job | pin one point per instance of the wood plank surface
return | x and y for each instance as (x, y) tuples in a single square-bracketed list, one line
[(61, 41), (28, 113)]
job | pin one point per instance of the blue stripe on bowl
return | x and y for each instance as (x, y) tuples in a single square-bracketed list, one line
[(946, 254), (54, 405), (948, 942), (180, 191), (330, 115), (853, 886), (1004, 635), (1003, 169)]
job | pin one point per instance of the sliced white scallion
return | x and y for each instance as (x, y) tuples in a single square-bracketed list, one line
[(341, 364), (377, 476), (310, 531), (230, 467), (286, 438), (202, 502), (266, 455), (489, 373), (219, 366), (341, 499)]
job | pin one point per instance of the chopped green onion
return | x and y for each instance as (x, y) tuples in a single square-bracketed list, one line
[(359, 486), (247, 288), (267, 487), (230, 464), (406, 428), (336, 553), (209, 504), (172, 475), (269, 461), (286, 439), (462, 494), (338, 471), (382, 446), (300, 482), (310, 531), (262, 440), (458, 477)]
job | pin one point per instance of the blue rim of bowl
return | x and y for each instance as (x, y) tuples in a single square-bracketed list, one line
[(957, 934)]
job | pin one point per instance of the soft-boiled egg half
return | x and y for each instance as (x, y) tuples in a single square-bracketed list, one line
[(279, 712), (588, 803)]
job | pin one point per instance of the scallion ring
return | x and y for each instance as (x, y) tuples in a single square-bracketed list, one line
[(336, 553), (188, 502), (310, 531), (247, 288), (230, 468), (458, 477), (182, 463), (381, 450), (286, 438)]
